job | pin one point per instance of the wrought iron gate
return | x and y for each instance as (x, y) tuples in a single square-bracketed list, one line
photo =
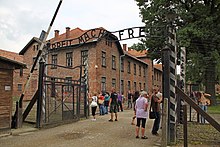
[(63, 98)]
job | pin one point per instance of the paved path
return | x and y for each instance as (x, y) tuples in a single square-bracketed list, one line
[(84, 133)]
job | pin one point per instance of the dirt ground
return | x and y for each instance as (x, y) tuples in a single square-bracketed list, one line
[(200, 135), (103, 133), (85, 133)]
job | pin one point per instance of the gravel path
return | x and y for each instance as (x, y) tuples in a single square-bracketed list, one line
[(85, 133)]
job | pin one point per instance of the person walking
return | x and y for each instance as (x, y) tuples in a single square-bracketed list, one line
[(106, 102), (94, 105), (135, 97), (155, 104), (101, 104), (113, 103), (120, 99), (129, 95), (203, 103), (141, 110)]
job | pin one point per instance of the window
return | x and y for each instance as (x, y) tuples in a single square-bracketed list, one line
[(34, 58), (144, 86), (129, 85), (84, 57), (122, 86), (69, 83), (69, 59), (140, 86), (104, 59), (53, 92), (113, 62), (122, 64), (108, 42), (139, 70), (114, 83), (35, 47), (19, 87), (36, 66), (103, 84), (135, 86), (135, 69), (21, 72), (54, 61), (144, 72), (129, 67)]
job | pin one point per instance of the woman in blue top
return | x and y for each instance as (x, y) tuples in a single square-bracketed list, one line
[(106, 102)]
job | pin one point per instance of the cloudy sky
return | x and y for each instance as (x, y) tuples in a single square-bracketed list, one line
[(21, 20)]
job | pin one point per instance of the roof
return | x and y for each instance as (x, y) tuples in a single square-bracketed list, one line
[(134, 57), (136, 53), (11, 56), (158, 67), (13, 62), (34, 39), (76, 33)]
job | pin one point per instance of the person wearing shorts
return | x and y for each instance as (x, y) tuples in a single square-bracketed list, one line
[(113, 103), (141, 114)]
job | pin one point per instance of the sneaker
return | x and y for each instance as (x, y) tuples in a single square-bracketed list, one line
[(156, 134), (93, 119), (137, 137), (110, 120), (144, 137), (116, 120)]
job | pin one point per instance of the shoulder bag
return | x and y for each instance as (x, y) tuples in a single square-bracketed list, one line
[(152, 114)]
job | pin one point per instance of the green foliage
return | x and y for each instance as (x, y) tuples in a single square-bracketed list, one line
[(198, 29), (195, 68), (214, 109), (197, 23)]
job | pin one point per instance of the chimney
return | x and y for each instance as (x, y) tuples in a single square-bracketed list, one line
[(129, 49), (67, 32), (56, 33), (125, 47)]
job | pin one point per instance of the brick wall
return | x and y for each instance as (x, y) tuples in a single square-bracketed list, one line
[(28, 60), (6, 88)]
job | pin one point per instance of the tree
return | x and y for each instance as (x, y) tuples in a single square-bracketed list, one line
[(198, 29)]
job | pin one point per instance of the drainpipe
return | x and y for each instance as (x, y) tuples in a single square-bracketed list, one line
[(120, 72)]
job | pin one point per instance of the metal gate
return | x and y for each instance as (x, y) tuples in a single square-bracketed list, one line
[(63, 98)]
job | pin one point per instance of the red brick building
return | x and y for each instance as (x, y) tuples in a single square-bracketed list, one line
[(18, 74), (158, 76), (7, 67), (105, 58)]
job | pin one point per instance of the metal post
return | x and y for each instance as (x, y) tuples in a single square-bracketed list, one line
[(166, 83), (169, 80), (40, 95), (185, 125), (190, 91), (164, 123)]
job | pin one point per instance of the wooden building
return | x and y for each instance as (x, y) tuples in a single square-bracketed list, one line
[(7, 67)]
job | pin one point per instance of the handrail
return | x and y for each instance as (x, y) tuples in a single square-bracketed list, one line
[(186, 98)]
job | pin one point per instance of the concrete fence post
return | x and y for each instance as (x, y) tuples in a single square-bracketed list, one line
[(164, 123)]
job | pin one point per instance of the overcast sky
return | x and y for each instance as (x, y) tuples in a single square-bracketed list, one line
[(21, 20)]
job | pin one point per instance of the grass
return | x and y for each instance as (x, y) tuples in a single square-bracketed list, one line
[(214, 109)]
